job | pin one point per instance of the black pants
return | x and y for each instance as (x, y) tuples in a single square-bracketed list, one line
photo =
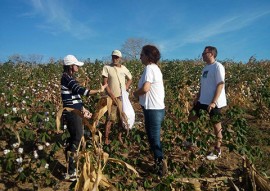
[(75, 129)]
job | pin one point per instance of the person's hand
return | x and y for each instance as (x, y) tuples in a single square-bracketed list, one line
[(102, 87), (86, 114), (211, 106)]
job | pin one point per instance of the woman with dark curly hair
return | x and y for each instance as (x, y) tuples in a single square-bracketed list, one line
[(151, 97)]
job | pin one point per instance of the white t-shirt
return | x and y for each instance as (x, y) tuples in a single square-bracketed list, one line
[(154, 98), (212, 74)]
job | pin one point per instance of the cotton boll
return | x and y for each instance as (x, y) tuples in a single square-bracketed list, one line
[(20, 150), (40, 147)]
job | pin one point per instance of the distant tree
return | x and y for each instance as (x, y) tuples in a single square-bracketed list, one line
[(35, 58), (132, 47), (51, 60), (16, 58)]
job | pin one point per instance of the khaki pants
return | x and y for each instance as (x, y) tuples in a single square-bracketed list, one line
[(114, 109)]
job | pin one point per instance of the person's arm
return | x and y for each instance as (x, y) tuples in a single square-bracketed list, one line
[(86, 113), (143, 90), (219, 88), (108, 89), (129, 81), (102, 88)]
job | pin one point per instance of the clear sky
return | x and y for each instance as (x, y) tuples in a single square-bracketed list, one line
[(93, 28)]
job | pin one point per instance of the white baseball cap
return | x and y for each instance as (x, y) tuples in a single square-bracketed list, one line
[(117, 53), (70, 60)]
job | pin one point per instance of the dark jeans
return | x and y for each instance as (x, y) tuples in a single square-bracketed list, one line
[(153, 120), (75, 129)]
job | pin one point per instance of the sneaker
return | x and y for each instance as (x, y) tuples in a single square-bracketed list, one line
[(71, 177), (214, 155)]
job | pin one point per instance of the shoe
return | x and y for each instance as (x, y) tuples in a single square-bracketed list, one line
[(161, 167), (214, 154), (71, 177)]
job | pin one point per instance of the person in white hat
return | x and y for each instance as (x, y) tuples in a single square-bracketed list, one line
[(71, 93), (117, 76)]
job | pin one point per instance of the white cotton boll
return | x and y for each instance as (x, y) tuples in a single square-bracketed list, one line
[(40, 147), (35, 154), (53, 113), (20, 150), (47, 144), (47, 119), (15, 145), (20, 169), (19, 160), (6, 151), (5, 114), (23, 101), (65, 126), (14, 109), (46, 165)]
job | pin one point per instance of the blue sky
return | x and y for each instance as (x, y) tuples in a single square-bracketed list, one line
[(93, 28)]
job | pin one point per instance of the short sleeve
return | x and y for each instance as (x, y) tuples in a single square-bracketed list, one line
[(220, 75), (149, 77), (105, 72)]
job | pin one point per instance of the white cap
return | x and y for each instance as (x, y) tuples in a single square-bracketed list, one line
[(117, 53), (70, 60)]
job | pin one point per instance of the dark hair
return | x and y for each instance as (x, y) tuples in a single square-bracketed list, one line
[(213, 50), (66, 68), (152, 53)]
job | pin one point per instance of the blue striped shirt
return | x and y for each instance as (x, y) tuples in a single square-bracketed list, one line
[(71, 92)]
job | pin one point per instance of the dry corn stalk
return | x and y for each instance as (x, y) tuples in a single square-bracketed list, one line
[(91, 176), (256, 178)]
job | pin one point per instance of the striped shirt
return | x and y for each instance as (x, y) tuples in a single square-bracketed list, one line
[(71, 92)]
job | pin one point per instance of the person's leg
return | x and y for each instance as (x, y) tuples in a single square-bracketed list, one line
[(215, 116), (112, 115), (107, 132), (218, 133), (153, 121), (119, 119), (75, 128)]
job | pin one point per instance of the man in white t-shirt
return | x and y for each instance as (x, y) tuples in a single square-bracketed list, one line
[(117, 76), (211, 96)]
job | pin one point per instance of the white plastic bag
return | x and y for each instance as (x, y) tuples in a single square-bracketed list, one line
[(128, 109)]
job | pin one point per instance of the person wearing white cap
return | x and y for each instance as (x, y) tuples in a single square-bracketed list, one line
[(117, 76), (71, 93)]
